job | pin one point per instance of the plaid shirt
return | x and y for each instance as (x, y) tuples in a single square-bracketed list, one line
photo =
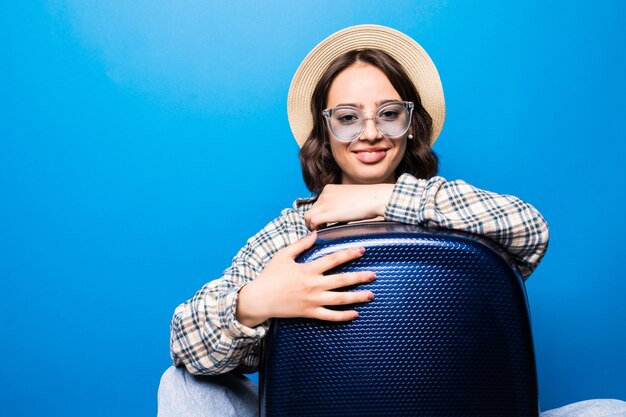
[(207, 338)]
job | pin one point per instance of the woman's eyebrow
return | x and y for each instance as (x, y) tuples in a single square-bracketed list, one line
[(360, 106), (381, 102)]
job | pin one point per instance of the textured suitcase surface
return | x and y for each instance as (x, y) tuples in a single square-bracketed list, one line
[(448, 334)]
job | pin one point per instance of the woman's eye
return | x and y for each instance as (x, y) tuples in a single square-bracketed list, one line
[(347, 118), (389, 114)]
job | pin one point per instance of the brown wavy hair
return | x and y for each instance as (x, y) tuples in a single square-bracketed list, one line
[(318, 165)]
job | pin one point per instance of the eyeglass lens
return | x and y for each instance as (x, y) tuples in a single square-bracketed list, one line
[(348, 123)]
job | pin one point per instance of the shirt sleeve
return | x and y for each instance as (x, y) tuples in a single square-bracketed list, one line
[(205, 335), (515, 225)]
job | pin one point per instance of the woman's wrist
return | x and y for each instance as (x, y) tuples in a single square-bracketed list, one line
[(384, 192), (250, 309)]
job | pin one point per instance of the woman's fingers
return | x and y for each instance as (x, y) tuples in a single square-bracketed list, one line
[(336, 298), (318, 219), (324, 263), (327, 314), (333, 260), (331, 282), (301, 290)]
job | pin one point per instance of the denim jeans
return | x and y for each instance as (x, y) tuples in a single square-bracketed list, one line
[(182, 394)]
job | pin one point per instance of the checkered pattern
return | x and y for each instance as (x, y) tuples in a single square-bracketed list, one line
[(514, 224), (206, 337)]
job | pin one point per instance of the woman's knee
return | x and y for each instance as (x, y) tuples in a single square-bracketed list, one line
[(590, 408), (184, 394)]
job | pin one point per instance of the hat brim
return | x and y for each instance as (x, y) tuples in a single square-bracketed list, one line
[(405, 50)]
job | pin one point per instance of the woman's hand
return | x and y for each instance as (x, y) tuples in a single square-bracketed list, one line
[(286, 288), (348, 203)]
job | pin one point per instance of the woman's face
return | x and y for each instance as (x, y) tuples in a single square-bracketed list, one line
[(371, 158)]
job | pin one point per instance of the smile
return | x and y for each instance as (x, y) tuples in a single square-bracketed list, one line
[(371, 156)]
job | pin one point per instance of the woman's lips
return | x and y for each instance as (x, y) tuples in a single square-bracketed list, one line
[(370, 156)]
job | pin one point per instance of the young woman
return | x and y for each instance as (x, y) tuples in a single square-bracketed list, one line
[(366, 105)]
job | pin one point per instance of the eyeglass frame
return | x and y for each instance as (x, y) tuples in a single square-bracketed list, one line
[(327, 114)]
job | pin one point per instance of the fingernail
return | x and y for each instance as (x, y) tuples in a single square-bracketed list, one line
[(370, 296), (371, 277), (361, 250), (355, 315)]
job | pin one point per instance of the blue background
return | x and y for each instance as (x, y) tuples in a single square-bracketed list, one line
[(142, 142)]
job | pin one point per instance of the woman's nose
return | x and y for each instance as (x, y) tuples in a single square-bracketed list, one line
[(370, 132)]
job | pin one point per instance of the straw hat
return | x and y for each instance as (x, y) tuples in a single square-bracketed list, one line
[(405, 50)]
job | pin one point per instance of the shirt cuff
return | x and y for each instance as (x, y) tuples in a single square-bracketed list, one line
[(227, 303), (402, 204)]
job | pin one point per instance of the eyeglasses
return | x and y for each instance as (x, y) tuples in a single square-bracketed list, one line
[(347, 123)]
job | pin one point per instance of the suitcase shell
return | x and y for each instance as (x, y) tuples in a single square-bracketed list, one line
[(448, 333)]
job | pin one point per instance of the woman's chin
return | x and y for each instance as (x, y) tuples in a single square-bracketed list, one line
[(369, 178)]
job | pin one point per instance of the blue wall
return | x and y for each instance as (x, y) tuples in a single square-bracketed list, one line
[(142, 142)]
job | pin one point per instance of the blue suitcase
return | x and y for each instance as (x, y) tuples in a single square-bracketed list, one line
[(448, 333)]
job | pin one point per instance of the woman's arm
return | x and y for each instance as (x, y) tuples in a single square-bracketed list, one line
[(220, 328), (205, 334), (514, 224)]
